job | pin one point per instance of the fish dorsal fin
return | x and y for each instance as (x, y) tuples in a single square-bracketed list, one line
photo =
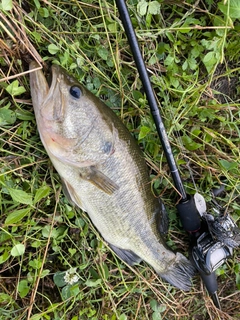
[(99, 179)]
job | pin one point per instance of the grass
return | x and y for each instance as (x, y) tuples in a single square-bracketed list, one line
[(192, 51)]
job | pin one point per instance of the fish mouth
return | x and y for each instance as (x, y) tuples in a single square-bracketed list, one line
[(38, 84), (44, 94)]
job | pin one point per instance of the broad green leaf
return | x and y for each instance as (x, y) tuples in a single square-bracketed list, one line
[(231, 8), (142, 7), (137, 95), (143, 132), (97, 82), (35, 264), (238, 281), (44, 273), (47, 232), (17, 215), (237, 272), (162, 307), (24, 115), (7, 116), (192, 63), (20, 196), (37, 316), (36, 244), (5, 298), (18, 250), (70, 291), (58, 278), (23, 288), (7, 5), (53, 49), (93, 283), (37, 4), (237, 268), (41, 193), (154, 7), (102, 52), (113, 27), (196, 131), (4, 256), (44, 12), (169, 60), (153, 60), (174, 82), (14, 89), (228, 165), (218, 22), (190, 144), (72, 251), (156, 316), (185, 65), (157, 308), (154, 304), (209, 57), (36, 35), (105, 271), (196, 50), (209, 60)]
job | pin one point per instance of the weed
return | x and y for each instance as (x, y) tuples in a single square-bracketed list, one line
[(54, 265)]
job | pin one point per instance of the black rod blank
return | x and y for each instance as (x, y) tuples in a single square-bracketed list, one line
[(132, 39)]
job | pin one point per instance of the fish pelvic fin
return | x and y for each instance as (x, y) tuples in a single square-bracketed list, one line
[(180, 273), (99, 179), (126, 255), (71, 195)]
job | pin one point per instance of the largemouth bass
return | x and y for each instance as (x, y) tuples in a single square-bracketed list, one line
[(104, 173)]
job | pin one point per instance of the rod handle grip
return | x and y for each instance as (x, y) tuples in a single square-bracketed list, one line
[(210, 282), (189, 215)]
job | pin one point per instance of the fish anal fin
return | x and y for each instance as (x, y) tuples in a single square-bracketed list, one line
[(126, 255), (162, 219), (99, 179)]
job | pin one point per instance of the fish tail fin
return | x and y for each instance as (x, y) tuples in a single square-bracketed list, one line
[(180, 273)]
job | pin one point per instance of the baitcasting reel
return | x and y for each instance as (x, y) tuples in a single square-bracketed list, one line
[(216, 243)]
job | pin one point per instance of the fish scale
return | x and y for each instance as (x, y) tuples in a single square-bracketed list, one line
[(104, 173)]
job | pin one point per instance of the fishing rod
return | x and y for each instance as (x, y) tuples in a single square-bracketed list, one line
[(212, 238)]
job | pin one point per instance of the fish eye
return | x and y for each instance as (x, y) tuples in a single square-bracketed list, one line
[(75, 92)]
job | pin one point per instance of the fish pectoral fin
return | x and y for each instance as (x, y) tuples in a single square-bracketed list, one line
[(126, 255), (99, 179), (71, 195)]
